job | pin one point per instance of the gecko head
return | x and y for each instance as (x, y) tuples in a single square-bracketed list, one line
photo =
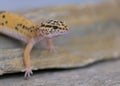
[(53, 28)]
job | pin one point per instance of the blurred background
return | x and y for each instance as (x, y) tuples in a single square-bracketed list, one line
[(74, 12), (27, 4)]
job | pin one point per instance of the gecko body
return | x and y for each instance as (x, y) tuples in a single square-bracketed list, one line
[(15, 26), (23, 29)]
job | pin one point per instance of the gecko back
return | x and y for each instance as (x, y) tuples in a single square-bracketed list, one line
[(15, 22)]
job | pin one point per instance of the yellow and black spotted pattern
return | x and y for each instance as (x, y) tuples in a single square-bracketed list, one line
[(22, 25), (16, 22), (54, 24), (49, 26)]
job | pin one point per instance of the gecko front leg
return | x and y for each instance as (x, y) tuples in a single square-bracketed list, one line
[(28, 69), (50, 45)]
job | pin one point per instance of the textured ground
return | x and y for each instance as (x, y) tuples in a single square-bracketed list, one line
[(100, 74)]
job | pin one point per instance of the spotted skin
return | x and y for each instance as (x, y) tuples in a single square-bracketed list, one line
[(23, 29), (51, 28), (15, 22)]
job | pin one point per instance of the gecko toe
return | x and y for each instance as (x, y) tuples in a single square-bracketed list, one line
[(52, 49), (28, 73)]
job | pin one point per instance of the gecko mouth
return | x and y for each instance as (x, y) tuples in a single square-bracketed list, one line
[(56, 33)]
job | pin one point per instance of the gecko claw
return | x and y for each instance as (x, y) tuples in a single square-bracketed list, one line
[(28, 73), (51, 49)]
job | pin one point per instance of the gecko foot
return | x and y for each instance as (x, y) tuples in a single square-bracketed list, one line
[(52, 49), (28, 73)]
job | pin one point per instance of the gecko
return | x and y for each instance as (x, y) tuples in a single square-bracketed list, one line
[(20, 28)]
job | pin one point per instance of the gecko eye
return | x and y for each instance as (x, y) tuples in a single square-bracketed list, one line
[(55, 27)]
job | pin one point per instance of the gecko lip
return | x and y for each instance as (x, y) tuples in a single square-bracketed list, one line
[(56, 33)]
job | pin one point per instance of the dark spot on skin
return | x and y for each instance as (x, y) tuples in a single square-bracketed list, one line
[(66, 27), (61, 23), (6, 22), (2, 23), (16, 28), (32, 27), (55, 21), (49, 21), (20, 24), (23, 26), (31, 31), (61, 28), (37, 29), (48, 26), (55, 27), (3, 16), (42, 25)]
